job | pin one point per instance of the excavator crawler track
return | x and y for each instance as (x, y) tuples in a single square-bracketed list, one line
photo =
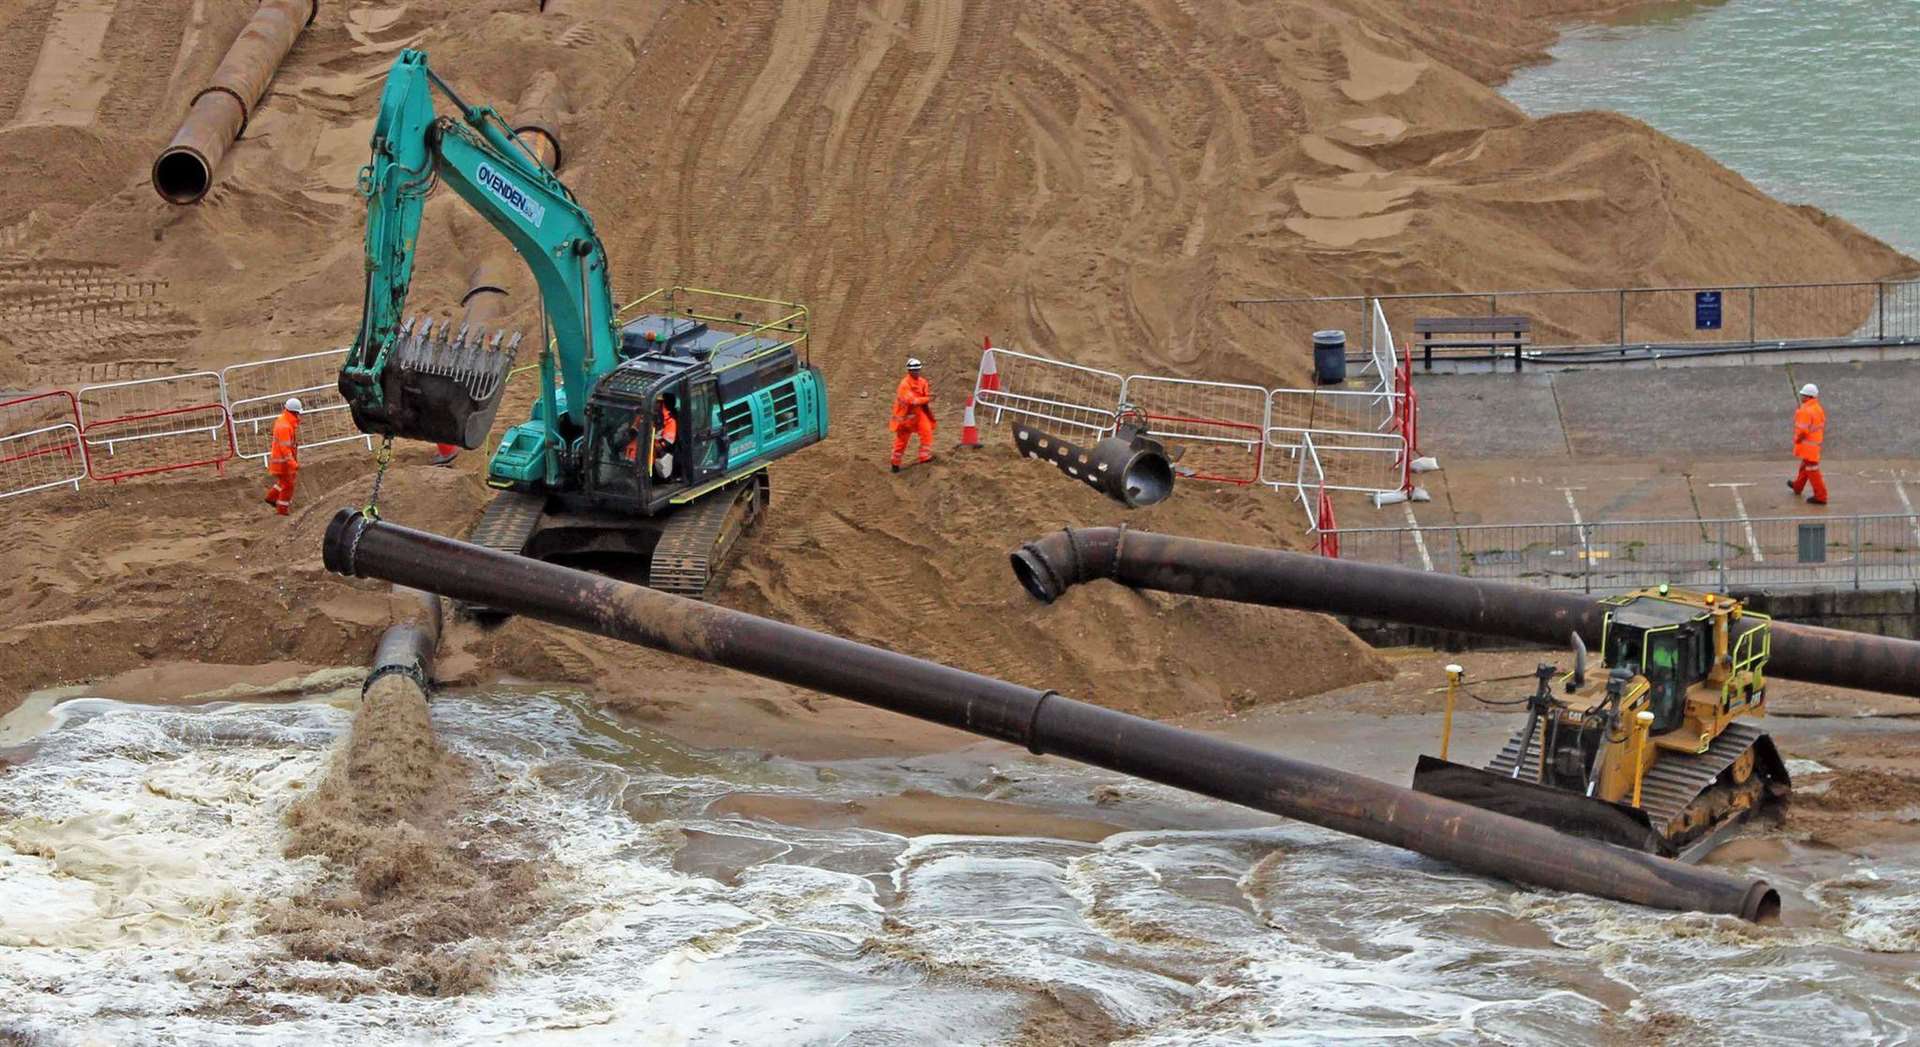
[(506, 525), (695, 540)]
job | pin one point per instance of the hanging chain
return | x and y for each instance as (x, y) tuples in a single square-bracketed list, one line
[(384, 456)]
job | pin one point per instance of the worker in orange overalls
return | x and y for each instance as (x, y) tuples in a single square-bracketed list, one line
[(666, 432), (283, 458), (1809, 430), (912, 413)]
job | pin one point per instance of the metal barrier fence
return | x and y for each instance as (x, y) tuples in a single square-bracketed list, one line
[(1311, 441), (113, 431), (1577, 320), (1848, 552), (154, 425), (1221, 425), (255, 393), (40, 448), (1048, 391)]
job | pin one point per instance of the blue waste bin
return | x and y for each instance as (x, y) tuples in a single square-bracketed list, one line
[(1329, 357)]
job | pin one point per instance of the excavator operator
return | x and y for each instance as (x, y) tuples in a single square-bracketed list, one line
[(666, 433)]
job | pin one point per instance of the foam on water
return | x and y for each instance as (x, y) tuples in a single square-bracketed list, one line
[(141, 844)]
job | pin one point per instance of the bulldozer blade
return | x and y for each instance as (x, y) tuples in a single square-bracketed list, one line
[(1558, 809), (440, 385)]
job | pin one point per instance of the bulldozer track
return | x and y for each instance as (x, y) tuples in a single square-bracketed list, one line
[(1675, 780), (695, 539)]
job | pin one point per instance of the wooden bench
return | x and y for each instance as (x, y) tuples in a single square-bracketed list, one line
[(1472, 332)]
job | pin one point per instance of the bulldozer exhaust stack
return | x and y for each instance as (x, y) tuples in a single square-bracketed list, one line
[(1042, 721)]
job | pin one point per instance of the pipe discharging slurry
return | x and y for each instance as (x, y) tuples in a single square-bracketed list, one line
[(183, 172), (1049, 566), (1043, 721)]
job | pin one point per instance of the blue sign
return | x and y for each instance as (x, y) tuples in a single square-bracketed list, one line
[(1706, 310)]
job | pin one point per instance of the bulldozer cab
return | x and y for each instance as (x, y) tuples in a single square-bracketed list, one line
[(1669, 642), (652, 432)]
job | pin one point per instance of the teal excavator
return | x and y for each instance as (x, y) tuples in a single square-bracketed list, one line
[(647, 449)]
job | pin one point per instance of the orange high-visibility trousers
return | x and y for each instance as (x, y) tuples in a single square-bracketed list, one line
[(1810, 474), (922, 426), (280, 495)]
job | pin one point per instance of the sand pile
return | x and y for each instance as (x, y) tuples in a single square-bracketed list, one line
[(1089, 179), (412, 901)]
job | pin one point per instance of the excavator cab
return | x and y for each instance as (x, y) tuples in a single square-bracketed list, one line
[(636, 462), (1660, 754)]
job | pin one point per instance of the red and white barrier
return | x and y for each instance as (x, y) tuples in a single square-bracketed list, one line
[(40, 444), (1219, 426), (154, 425)]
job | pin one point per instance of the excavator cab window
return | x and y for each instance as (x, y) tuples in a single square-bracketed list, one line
[(700, 423)]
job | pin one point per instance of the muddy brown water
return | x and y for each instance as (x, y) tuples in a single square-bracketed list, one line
[(146, 852)]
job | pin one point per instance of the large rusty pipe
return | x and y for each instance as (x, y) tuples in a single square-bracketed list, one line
[(1043, 721), (408, 646), (1049, 566), (183, 172)]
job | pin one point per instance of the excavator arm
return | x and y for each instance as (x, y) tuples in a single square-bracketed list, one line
[(405, 377)]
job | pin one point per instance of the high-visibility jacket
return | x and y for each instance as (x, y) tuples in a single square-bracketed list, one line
[(1809, 430), (668, 430), (284, 456), (911, 412)]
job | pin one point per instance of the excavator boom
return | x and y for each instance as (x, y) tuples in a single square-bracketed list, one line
[(416, 379)]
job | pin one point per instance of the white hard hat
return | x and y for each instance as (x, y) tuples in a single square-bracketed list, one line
[(293, 404), (1809, 389), (913, 363)]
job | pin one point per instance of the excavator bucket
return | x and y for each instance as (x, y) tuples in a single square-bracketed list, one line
[(436, 385), (1567, 812)]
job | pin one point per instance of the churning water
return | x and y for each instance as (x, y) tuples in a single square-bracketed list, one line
[(141, 845), (1814, 101)]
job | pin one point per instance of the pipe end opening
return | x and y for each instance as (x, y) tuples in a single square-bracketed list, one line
[(1033, 575), (181, 176), (1147, 480), (1762, 904), (343, 534)]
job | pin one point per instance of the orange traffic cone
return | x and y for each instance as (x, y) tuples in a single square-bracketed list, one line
[(989, 371), (444, 454), (969, 432)]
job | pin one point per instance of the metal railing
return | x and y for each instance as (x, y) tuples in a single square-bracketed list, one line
[(1734, 553), (1600, 322)]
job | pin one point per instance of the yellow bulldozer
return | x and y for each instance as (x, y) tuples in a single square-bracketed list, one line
[(1660, 752)]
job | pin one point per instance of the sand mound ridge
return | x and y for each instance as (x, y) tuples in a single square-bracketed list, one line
[(1091, 180)]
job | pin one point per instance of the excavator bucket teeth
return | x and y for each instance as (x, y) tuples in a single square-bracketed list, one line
[(439, 385), (1567, 812)]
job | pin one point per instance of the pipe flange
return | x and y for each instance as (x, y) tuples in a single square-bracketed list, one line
[(246, 117), (410, 671), (1033, 720), (483, 289)]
